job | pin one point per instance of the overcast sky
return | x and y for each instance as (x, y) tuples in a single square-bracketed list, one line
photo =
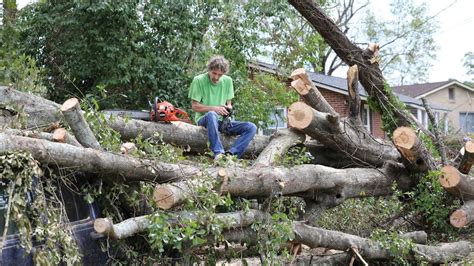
[(455, 36)]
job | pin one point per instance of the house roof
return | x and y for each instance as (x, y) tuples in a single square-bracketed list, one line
[(421, 90), (339, 85)]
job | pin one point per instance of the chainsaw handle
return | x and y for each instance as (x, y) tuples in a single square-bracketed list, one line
[(181, 113)]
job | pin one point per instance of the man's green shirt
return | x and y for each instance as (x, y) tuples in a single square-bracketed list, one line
[(205, 92)]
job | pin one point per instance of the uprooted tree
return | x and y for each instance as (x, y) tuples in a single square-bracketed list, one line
[(193, 204)]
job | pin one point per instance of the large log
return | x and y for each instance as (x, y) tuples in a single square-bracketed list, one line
[(456, 183), (279, 144), (373, 250), (340, 135), (310, 94), (412, 149), (467, 159), (40, 112), (179, 133), (106, 164), (309, 181), (72, 113), (137, 225), (463, 216)]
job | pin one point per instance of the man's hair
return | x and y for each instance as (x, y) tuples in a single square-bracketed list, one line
[(218, 62)]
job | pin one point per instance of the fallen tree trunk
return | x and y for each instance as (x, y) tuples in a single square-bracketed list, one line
[(279, 144), (72, 113), (106, 164), (340, 135), (456, 183), (308, 181), (467, 159), (137, 225), (179, 133), (373, 250), (40, 112)]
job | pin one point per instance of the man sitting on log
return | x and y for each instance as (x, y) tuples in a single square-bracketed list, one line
[(211, 94)]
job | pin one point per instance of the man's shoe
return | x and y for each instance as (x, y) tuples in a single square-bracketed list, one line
[(219, 157)]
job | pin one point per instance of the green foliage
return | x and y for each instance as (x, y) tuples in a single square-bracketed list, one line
[(389, 121), (407, 39), (108, 138), (255, 101), (155, 148), (434, 204), (399, 247), (205, 227), (360, 216), (38, 216), (296, 155)]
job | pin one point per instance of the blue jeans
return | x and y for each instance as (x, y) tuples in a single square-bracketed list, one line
[(246, 130)]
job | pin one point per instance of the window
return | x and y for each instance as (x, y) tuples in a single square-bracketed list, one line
[(451, 94), (278, 118), (466, 121), (365, 117)]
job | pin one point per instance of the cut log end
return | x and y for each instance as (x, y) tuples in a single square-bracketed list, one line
[(450, 177), (459, 218), (59, 135), (469, 147), (69, 104), (297, 73), (300, 115), (300, 86), (404, 137), (163, 197), (103, 226)]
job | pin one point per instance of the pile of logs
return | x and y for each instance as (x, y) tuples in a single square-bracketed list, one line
[(322, 186)]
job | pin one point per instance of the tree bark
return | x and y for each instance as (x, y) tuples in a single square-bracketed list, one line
[(463, 216), (311, 95), (61, 135), (340, 135), (106, 164), (72, 113), (132, 226), (412, 150), (456, 183), (308, 181), (467, 159), (279, 144)]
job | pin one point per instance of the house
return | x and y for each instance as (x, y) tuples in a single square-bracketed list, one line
[(454, 95), (334, 89)]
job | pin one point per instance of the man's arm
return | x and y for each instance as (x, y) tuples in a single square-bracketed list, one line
[(202, 108)]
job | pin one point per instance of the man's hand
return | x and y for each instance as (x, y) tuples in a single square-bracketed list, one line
[(221, 110)]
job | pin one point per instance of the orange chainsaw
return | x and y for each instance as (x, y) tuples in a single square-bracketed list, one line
[(163, 111)]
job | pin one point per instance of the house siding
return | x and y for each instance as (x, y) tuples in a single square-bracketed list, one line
[(463, 102)]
